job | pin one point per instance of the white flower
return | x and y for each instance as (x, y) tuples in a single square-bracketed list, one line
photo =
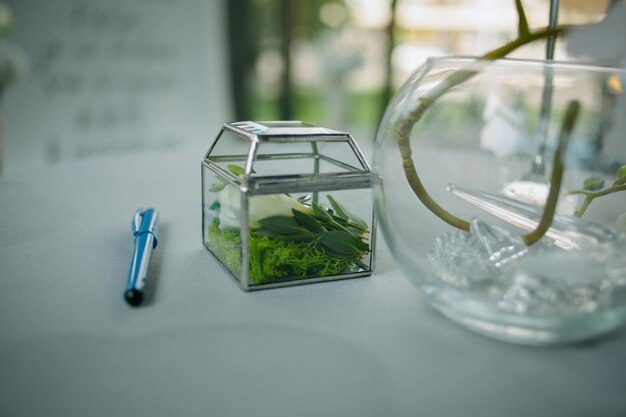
[(259, 207)]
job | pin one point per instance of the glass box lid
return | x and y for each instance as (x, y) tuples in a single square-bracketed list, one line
[(286, 155)]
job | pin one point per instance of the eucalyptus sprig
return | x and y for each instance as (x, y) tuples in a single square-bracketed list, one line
[(336, 231), (593, 187)]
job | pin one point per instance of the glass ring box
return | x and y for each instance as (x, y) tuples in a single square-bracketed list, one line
[(286, 203)]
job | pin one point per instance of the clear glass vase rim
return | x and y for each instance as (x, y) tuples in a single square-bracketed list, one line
[(523, 62)]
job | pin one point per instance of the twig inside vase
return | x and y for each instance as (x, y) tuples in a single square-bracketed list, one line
[(408, 121)]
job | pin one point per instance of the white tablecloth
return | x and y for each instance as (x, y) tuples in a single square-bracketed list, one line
[(71, 346)]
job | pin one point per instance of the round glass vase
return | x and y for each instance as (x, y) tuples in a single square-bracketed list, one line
[(502, 198)]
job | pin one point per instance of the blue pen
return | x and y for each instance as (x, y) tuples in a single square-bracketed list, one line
[(145, 225)]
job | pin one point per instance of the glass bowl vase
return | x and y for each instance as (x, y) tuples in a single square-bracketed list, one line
[(501, 195)]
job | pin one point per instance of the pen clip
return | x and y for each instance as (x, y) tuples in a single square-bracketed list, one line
[(136, 222)]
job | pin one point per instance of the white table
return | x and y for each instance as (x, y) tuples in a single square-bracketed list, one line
[(71, 346)]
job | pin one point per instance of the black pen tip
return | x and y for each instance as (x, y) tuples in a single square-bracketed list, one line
[(133, 297)]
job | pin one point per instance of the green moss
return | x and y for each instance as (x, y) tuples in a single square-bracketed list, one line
[(273, 260), (226, 246)]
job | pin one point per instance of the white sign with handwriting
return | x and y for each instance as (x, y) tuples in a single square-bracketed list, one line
[(115, 76)]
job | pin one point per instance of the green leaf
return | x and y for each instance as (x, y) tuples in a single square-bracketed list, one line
[(355, 231), (359, 222), (307, 221), (337, 207), (217, 187), (215, 206), (334, 254), (236, 169), (346, 214), (339, 220), (522, 26), (265, 232), (283, 227), (362, 245), (339, 242), (593, 183), (280, 225), (298, 238), (342, 242), (321, 214)]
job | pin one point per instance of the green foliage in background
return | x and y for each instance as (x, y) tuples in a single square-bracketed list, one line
[(308, 105)]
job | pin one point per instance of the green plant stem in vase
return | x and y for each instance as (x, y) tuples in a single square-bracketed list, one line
[(410, 119)]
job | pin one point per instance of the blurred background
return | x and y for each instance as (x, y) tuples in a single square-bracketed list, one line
[(338, 62), (86, 78)]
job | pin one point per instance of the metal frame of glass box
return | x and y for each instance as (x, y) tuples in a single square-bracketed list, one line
[(289, 132)]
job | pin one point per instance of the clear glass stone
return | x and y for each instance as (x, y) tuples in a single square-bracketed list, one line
[(560, 282), (460, 261), (491, 265)]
